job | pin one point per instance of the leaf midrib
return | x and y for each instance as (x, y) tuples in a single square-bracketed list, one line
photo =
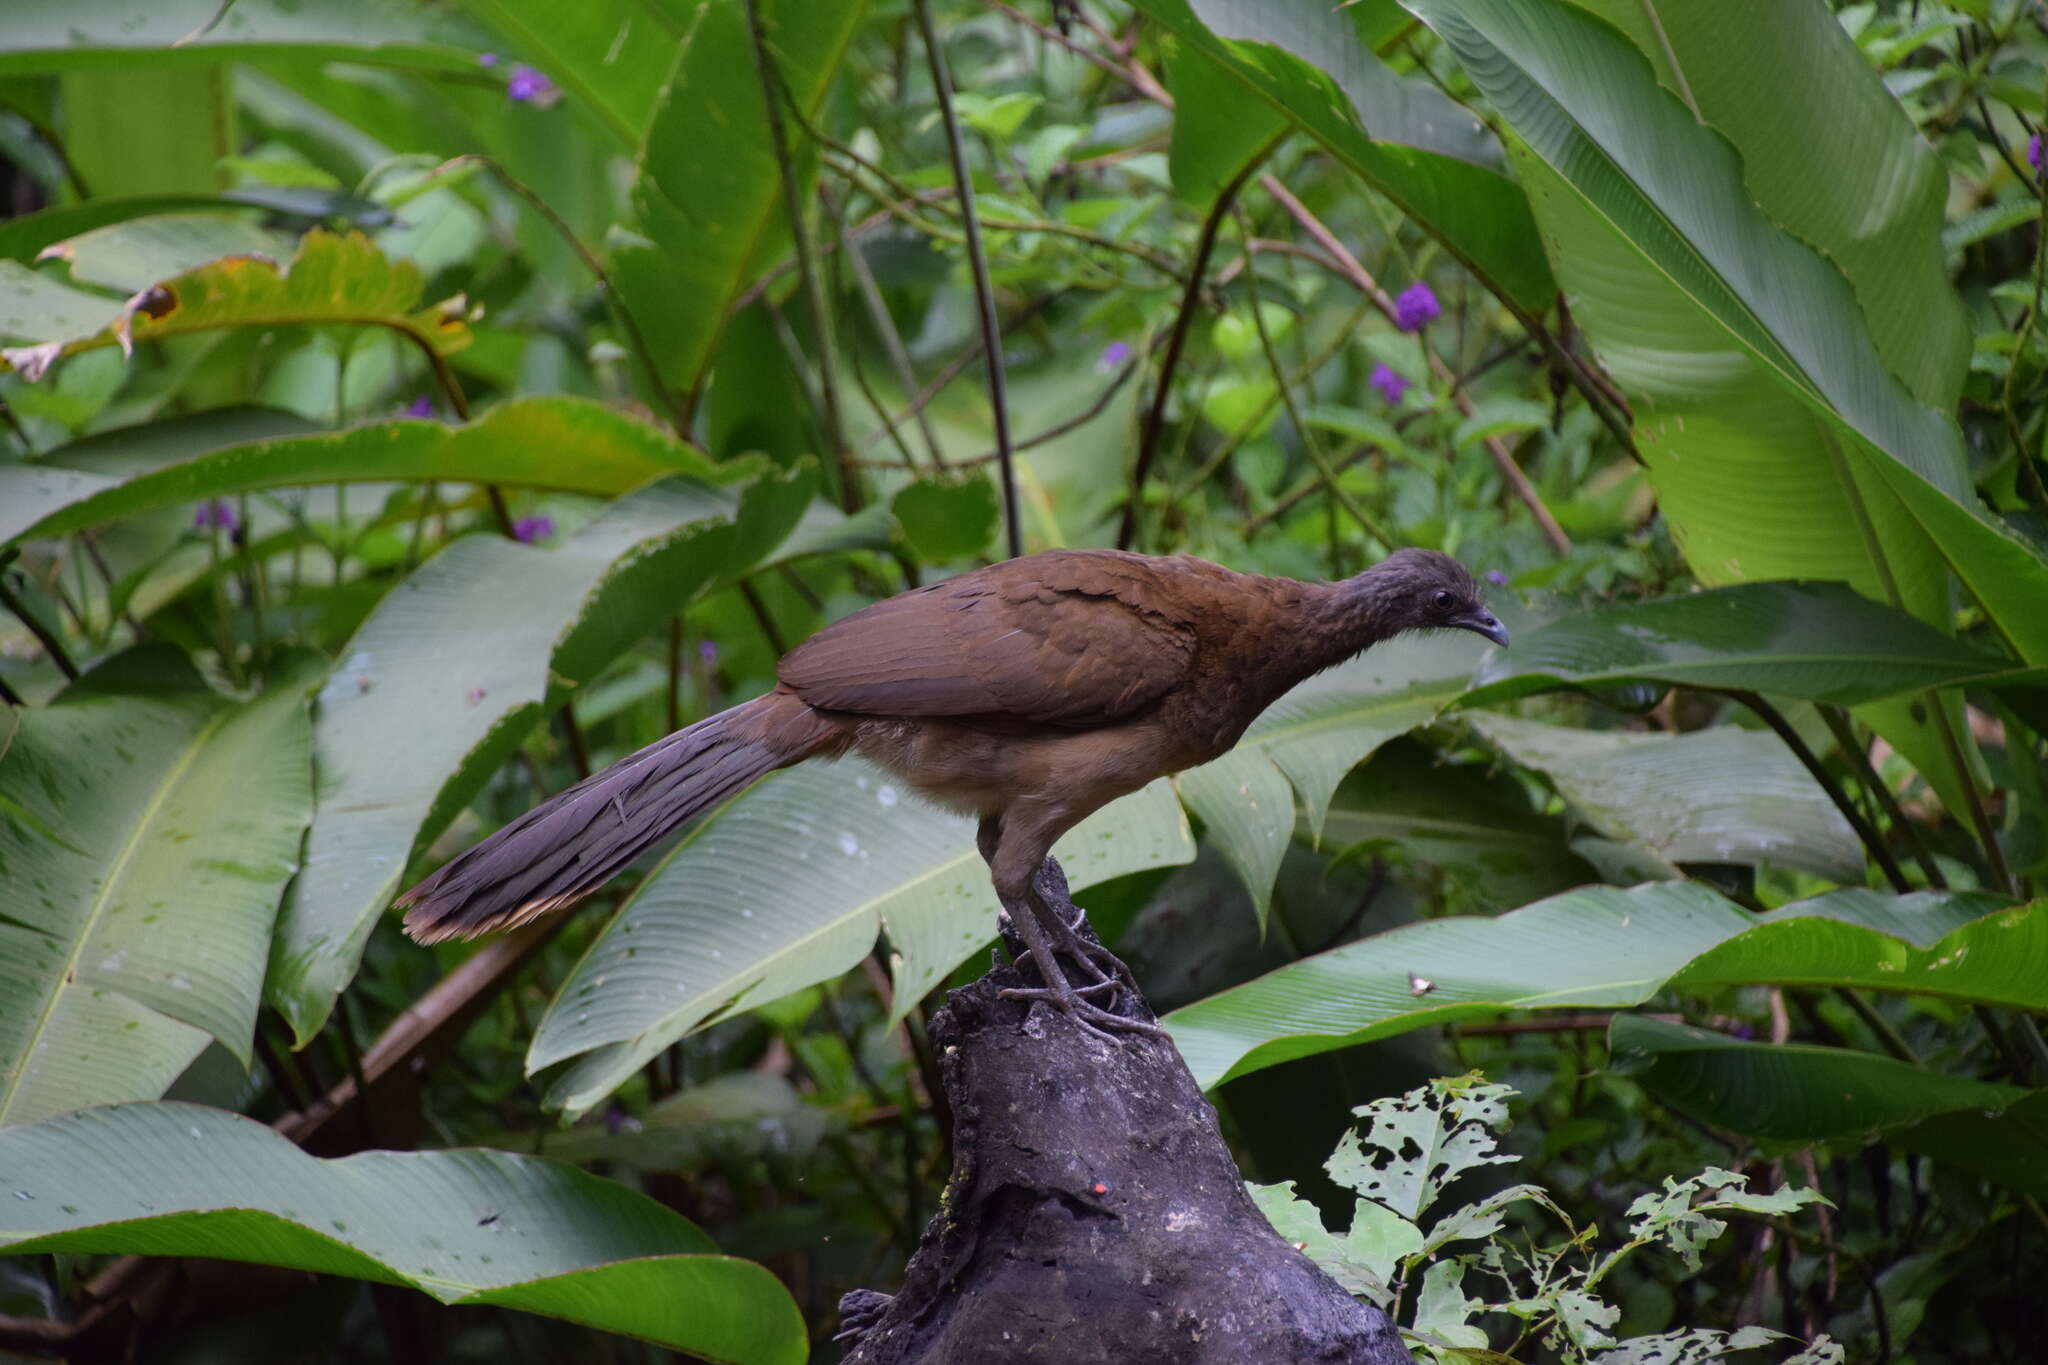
[(67, 979)]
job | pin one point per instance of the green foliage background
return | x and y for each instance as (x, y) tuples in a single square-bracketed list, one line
[(410, 405)]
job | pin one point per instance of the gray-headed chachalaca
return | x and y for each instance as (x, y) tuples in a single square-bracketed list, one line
[(1030, 693)]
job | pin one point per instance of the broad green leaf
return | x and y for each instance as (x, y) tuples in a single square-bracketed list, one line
[(453, 669), (1993, 958), (1814, 641), (1789, 1092), (1828, 154), (1306, 60), (1362, 1259), (86, 35), (1215, 133), (1304, 744), (570, 444), (469, 1226), (1779, 443), (709, 195), (131, 255), (789, 886), (610, 55), (2009, 1145), (147, 828), (1720, 795), (739, 1116), (1595, 947), (341, 279), (947, 519), (152, 128)]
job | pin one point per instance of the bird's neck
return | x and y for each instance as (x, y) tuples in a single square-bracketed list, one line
[(1340, 620)]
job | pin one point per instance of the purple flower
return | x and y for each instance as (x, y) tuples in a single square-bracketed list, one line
[(486, 59), (1389, 382), (528, 86), (527, 530), (707, 650), (473, 696), (2034, 153), (1496, 577), (1113, 357), (421, 406), (1416, 306), (215, 513)]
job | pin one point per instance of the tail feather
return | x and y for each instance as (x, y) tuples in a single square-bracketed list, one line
[(569, 846)]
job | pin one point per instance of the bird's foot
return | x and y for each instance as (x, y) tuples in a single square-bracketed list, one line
[(1092, 1018)]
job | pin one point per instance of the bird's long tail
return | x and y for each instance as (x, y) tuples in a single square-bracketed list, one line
[(567, 847)]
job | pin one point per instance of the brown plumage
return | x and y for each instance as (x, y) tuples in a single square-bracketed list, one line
[(1030, 693)]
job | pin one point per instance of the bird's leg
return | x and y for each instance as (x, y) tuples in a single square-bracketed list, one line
[(1014, 869), (1068, 938), (988, 838)]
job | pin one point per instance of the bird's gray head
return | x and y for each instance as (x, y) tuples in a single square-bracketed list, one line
[(1423, 590)]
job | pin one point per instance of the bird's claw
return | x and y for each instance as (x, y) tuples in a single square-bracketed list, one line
[(1090, 1018)]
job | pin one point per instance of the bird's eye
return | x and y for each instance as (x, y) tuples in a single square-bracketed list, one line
[(1444, 598)]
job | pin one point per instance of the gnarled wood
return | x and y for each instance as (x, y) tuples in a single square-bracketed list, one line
[(1094, 1214)]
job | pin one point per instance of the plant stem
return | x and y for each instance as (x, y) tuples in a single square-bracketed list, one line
[(1183, 320), (1845, 736), (1872, 840), (51, 644), (984, 290)]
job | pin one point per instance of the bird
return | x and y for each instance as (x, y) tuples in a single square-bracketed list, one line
[(1028, 694)]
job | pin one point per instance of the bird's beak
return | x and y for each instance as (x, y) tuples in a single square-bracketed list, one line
[(1483, 622)]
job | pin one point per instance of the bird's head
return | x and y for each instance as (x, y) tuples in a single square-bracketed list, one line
[(1426, 590)]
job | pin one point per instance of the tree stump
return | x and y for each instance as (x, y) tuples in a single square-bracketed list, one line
[(1094, 1214)]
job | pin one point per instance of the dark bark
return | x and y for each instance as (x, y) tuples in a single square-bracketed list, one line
[(1094, 1214)]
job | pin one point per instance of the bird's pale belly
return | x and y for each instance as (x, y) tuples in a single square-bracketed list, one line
[(980, 772)]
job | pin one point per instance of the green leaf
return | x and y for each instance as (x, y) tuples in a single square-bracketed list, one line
[(1363, 1259), (1789, 1092), (1280, 53), (1595, 947), (468, 1227), (84, 35), (140, 251), (1779, 442), (946, 520), (570, 444), (152, 825), (334, 278), (709, 195), (152, 128), (2009, 1145), (788, 887), (1720, 795), (1818, 642), (1215, 133), (454, 668), (1304, 744), (612, 56)]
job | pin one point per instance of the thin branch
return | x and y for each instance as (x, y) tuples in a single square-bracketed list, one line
[(1980, 821), (984, 290), (51, 644), (1051, 433), (807, 272), (885, 330), (1176, 341), (1845, 737)]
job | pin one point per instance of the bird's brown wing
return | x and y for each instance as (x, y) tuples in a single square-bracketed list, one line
[(1072, 638)]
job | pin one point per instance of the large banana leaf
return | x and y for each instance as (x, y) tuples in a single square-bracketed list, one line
[(1603, 946), (564, 443), (454, 668), (1305, 743), (1813, 641), (74, 35), (147, 828), (789, 886), (469, 1227), (709, 194), (1720, 795), (1798, 1093), (1780, 443), (1309, 61)]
